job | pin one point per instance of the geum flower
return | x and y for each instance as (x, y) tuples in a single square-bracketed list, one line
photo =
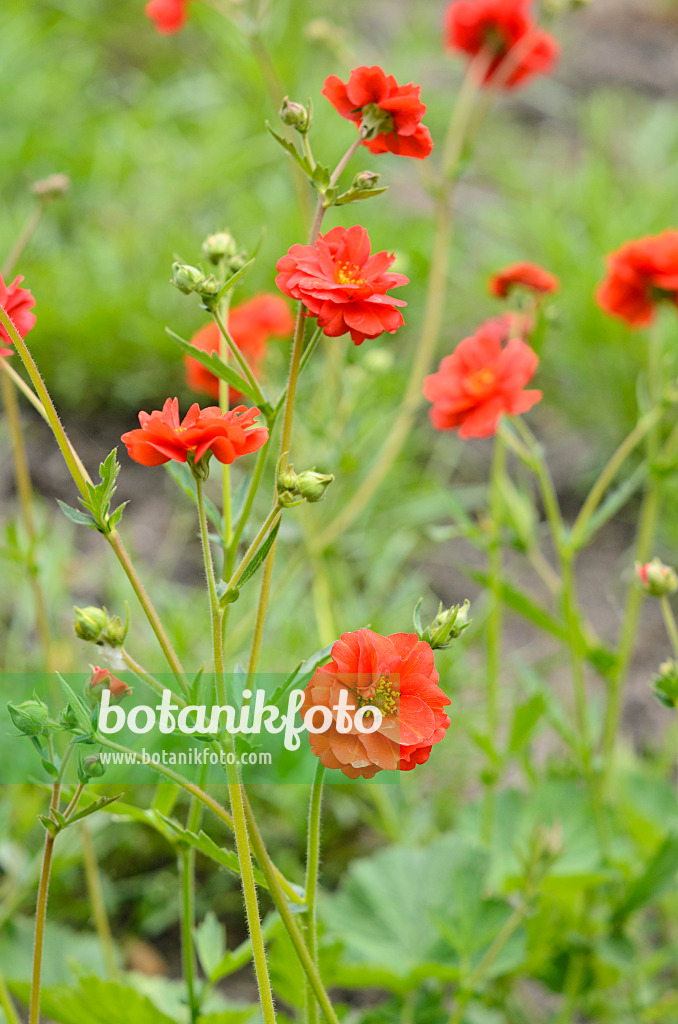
[(251, 325), (17, 303), (395, 674), (342, 285), (528, 276), (163, 437), (639, 275), (480, 382), (101, 679), (168, 16), (388, 115), (504, 31)]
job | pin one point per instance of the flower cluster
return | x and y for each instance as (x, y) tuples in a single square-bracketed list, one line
[(639, 275), (17, 303), (388, 115), (163, 437), (480, 382), (251, 326), (514, 47), (342, 285), (395, 674)]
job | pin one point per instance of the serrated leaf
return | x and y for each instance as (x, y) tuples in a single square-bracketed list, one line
[(99, 805), (290, 148), (94, 1001), (355, 197), (302, 673), (76, 515), (226, 858), (213, 363), (78, 706)]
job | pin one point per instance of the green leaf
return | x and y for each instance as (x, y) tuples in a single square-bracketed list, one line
[(78, 707), (98, 805), (226, 858), (76, 515), (523, 604), (355, 196), (101, 495), (233, 280), (525, 720), (260, 556), (215, 365), (210, 943), (658, 876), (614, 502), (301, 675), (94, 1001), (290, 148)]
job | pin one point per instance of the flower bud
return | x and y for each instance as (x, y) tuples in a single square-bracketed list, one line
[(448, 625), (665, 684), (115, 632), (100, 680), (365, 180), (90, 623), (657, 579), (216, 247), (91, 768), (312, 485), (288, 479), (31, 717), (294, 115), (51, 187), (186, 278), (208, 290)]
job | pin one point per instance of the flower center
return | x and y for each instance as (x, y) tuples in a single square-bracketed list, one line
[(347, 273), (480, 383), (385, 697)]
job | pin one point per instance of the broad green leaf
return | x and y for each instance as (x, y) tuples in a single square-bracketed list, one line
[(210, 943), (94, 1001), (214, 364), (525, 720), (226, 858), (658, 876), (358, 194)]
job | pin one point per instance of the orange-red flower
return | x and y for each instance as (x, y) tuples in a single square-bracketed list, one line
[(639, 275), (342, 285), (251, 325), (101, 679), (480, 381), (395, 674), (168, 16), (388, 114), (522, 275), (17, 303), (503, 29), (163, 437)]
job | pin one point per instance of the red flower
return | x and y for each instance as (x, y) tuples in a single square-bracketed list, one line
[(102, 679), (479, 382), (393, 673), (496, 27), (162, 437), (522, 275), (389, 114), (342, 285), (168, 16), (251, 325), (639, 275), (17, 303)]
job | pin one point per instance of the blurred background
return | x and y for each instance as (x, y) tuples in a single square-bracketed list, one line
[(164, 142)]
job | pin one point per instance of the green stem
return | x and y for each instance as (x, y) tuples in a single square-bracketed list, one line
[(25, 235), (23, 387), (7, 1003), (247, 507), (97, 902), (223, 405), (269, 524), (261, 398), (41, 912), (670, 623), (495, 621), (311, 887), (235, 789), (187, 872), (25, 492)]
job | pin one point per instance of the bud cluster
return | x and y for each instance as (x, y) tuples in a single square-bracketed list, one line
[(657, 579), (96, 626), (448, 624), (665, 684), (294, 488)]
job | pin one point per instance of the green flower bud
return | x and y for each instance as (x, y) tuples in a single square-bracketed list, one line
[(665, 684), (448, 625), (115, 632), (218, 246), (208, 289), (312, 485), (288, 479), (657, 579), (91, 768), (186, 278), (365, 180), (90, 622), (294, 115), (31, 717)]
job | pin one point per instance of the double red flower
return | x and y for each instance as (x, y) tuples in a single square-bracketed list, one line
[(168, 16), (480, 382), (342, 285), (639, 275), (251, 326), (505, 31), (522, 275), (389, 114), (393, 673), (163, 437), (17, 303)]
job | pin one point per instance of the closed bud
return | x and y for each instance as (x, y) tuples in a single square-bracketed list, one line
[(186, 278), (312, 485), (657, 579), (288, 479), (100, 680), (208, 290), (218, 246), (665, 684), (294, 115), (52, 187), (90, 623), (31, 717), (115, 632), (91, 768), (365, 180), (448, 625)]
